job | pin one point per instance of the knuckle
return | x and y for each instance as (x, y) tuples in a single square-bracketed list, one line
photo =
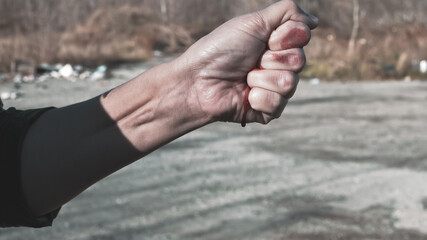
[(250, 79), (299, 60), (292, 5), (271, 100), (259, 18), (259, 23), (276, 105), (308, 30), (255, 98), (268, 102), (295, 35), (285, 81), (279, 110), (294, 89)]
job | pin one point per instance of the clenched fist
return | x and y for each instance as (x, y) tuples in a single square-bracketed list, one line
[(261, 52), (244, 71)]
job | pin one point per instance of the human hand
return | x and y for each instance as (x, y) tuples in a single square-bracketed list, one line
[(261, 51)]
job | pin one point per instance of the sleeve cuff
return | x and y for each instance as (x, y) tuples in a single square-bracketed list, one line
[(14, 212)]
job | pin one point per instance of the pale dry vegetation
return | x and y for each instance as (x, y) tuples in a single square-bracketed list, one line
[(389, 38), (121, 34)]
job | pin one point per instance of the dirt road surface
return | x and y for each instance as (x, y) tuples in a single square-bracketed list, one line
[(346, 161)]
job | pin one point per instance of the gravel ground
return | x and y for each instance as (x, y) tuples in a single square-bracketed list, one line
[(346, 161)]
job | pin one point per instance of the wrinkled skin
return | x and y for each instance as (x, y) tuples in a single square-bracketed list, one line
[(70, 148), (221, 65)]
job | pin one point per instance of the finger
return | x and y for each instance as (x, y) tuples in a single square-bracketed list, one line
[(267, 102), (281, 82), (311, 20), (288, 60), (289, 35), (281, 12)]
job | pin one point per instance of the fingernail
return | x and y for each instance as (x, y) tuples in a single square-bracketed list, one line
[(314, 18)]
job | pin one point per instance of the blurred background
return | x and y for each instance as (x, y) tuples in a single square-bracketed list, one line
[(346, 161), (357, 40)]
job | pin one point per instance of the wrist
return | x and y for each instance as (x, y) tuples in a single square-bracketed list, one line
[(155, 107), (195, 89)]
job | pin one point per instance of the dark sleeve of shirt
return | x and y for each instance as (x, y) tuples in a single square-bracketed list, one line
[(14, 212)]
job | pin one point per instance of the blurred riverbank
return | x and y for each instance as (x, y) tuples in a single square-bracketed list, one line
[(356, 40), (346, 161)]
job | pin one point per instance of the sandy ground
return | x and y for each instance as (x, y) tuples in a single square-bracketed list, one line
[(346, 161)]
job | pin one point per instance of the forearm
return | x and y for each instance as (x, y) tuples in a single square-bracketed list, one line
[(69, 149), (154, 108)]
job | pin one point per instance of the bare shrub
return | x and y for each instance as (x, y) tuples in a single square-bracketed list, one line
[(120, 34), (391, 33)]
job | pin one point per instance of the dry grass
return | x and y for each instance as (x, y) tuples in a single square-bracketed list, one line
[(391, 53), (120, 34), (36, 47), (109, 35), (392, 33)]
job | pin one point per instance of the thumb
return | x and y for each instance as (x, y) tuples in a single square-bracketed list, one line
[(283, 11)]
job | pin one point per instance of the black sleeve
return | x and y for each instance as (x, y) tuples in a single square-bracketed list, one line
[(14, 125)]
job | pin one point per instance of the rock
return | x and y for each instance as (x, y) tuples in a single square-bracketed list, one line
[(66, 71), (85, 75), (96, 76), (43, 77), (55, 74), (423, 66), (28, 79), (158, 53), (9, 95), (314, 81), (100, 73), (17, 78), (102, 68)]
